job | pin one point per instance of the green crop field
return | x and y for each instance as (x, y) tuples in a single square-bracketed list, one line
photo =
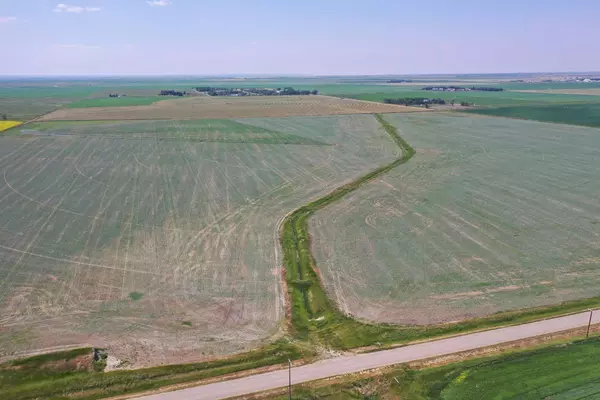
[(505, 98), (574, 114), (116, 101), (23, 109), (490, 214), (23, 102), (567, 371), (27, 99), (548, 85), (159, 240)]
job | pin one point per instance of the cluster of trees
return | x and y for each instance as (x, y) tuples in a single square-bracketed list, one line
[(288, 91), (172, 93), (4, 117), (487, 89), (399, 81), (414, 101), (463, 89), (115, 95)]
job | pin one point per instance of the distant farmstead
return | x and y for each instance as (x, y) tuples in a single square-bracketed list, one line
[(462, 89), (234, 92)]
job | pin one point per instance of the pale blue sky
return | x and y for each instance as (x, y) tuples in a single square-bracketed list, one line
[(298, 37)]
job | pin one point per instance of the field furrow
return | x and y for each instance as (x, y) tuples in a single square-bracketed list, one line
[(161, 250), (490, 215)]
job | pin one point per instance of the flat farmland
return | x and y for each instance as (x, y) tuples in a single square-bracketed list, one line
[(491, 214), (27, 102), (115, 101), (480, 99), (159, 239), (198, 107), (586, 91), (575, 114)]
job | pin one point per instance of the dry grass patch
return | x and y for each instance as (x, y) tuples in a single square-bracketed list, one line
[(227, 107)]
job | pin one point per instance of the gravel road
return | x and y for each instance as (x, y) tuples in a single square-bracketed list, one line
[(351, 364)]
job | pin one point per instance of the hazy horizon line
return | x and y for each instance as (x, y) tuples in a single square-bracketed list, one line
[(288, 75)]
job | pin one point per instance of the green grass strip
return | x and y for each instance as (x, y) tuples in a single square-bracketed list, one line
[(314, 317), (50, 376)]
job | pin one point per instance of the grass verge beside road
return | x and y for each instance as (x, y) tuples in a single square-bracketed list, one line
[(568, 370), (71, 374), (557, 369)]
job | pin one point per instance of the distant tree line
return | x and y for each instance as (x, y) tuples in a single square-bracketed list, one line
[(172, 93), (115, 95), (399, 81), (288, 91), (487, 89), (414, 101), (291, 91), (463, 89), (4, 117)]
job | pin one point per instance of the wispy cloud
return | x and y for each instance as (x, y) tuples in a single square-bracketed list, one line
[(158, 3), (6, 20), (76, 46), (74, 9)]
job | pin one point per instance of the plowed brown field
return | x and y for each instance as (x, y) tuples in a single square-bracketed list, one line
[(227, 107)]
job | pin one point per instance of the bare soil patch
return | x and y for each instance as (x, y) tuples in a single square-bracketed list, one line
[(201, 107)]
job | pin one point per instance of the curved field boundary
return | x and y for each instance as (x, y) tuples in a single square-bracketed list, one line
[(314, 317), (311, 309)]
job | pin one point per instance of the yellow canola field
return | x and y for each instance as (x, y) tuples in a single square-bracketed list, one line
[(4, 125)]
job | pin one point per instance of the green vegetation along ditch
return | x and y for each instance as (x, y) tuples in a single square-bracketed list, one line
[(566, 371)]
